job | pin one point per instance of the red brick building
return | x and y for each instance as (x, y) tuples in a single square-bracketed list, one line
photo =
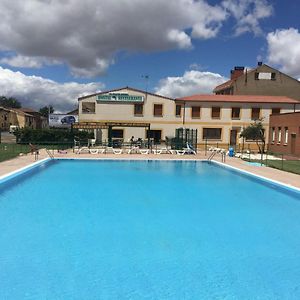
[(284, 136)]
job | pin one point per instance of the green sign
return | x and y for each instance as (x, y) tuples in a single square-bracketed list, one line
[(120, 98)]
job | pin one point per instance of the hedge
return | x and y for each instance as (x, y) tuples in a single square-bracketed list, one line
[(28, 135)]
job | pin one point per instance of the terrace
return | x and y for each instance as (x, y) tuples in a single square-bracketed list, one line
[(289, 179)]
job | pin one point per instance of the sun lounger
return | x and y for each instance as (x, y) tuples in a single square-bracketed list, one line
[(180, 152), (144, 151), (157, 151), (97, 150), (117, 151), (189, 149), (62, 151), (165, 150), (109, 150), (83, 149), (134, 149)]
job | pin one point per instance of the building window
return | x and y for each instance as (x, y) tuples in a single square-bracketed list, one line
[(275, 111), (215, 112), (255, 113), (178, 110), (264, 76), (273, 134), (279, 135), (273, 76), (117, 133), (286, 135), (235, 113), (88, 107), (158, 110), (196, 112), (212, 133), (138, 109)]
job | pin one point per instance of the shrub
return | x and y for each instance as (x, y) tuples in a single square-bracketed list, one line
[(28, 135)]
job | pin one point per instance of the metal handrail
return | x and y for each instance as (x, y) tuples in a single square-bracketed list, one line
[(212, 155), (49, 153)]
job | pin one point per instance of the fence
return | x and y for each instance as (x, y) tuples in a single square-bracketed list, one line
[(279, 161), (9, 151), (275, 160)]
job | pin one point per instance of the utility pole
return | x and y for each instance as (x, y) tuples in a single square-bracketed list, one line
[(146, 77)]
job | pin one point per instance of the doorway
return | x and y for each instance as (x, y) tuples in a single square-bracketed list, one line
[(233, 137), (154, 135)]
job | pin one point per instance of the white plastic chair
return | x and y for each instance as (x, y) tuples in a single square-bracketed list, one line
[(91, 142)]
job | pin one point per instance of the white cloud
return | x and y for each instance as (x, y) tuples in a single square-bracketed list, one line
[(86, 35), (248, 14), (284, 50), (192, 82), (209, 22), (180, 38), (22, 61), (36, 92)]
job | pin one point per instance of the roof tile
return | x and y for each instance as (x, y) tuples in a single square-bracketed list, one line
[(240, 99)]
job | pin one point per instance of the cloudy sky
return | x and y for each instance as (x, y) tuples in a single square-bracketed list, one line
[(52, 51)]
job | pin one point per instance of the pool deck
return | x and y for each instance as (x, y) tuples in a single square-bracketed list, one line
[(274, 174)]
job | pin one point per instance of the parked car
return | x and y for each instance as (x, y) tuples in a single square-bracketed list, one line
[(13, 128), (68, 120)]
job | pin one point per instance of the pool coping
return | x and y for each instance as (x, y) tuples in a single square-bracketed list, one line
[(263, 178), (27, 168), (10, 175)]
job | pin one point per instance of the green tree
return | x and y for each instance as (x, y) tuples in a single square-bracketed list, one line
[(10, 102), (255, 132), (44, 111)]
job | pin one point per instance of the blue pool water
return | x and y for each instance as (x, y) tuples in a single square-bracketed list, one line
[(147, 230)]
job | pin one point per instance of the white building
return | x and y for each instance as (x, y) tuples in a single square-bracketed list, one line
[(218, 118)]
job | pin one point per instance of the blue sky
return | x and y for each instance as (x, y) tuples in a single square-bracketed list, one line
[(50, 53)]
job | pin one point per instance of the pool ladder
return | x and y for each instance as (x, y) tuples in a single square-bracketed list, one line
[(49, 154), (212, 155)]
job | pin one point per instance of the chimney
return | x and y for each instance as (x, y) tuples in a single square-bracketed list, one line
[(237, 72)]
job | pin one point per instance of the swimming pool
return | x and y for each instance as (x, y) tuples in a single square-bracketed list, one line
[(147, 230)]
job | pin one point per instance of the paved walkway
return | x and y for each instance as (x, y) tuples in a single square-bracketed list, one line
[(281, 176)]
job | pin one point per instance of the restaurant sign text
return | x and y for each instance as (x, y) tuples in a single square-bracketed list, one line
[(120, 98)]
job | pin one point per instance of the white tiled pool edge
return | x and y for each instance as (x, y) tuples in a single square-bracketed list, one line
[(263, 178), (22, 170)]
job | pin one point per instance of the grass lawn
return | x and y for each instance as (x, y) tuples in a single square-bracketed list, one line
[(292, 166), (9, 151)]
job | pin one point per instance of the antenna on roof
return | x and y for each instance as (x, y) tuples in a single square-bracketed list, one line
[(146, 77)]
